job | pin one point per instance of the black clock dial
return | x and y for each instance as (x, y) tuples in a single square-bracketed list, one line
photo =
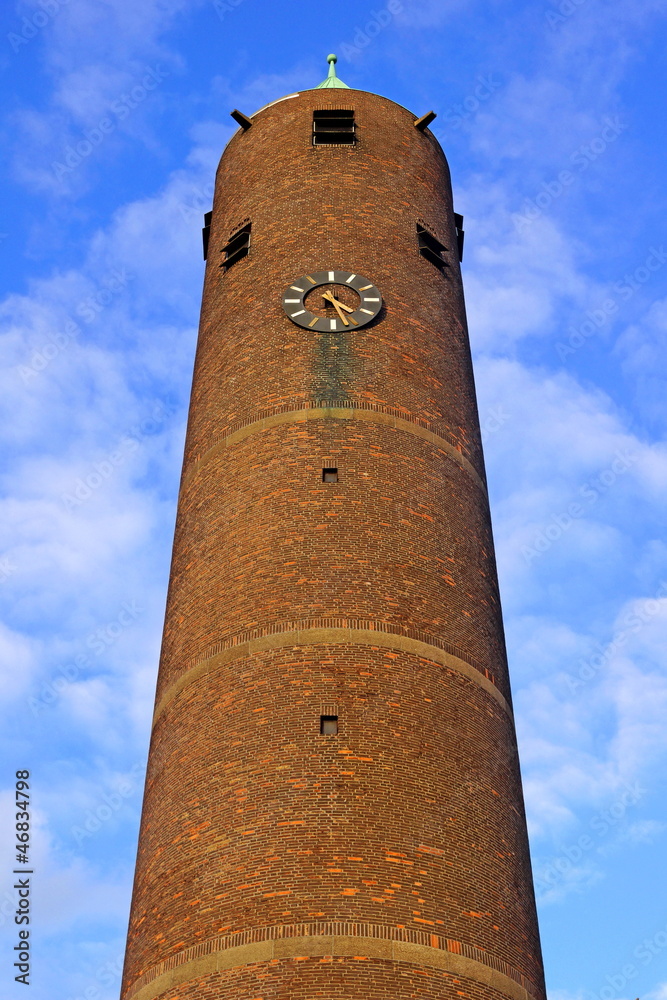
[(301, 298)]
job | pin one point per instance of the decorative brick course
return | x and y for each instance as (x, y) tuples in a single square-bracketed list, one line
[(329, 930), (353, 977), (264, 416), (388, 861), (346, 630)]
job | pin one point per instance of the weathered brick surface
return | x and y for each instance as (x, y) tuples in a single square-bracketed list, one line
[(403, 538), (412, 817)]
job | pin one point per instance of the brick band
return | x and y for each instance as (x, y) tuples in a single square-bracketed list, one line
[(332, 940), (338, 410), (332, 631)]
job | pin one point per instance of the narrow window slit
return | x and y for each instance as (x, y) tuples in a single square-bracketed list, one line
[(460, 235), (329, 725), (329, 475), (206, 231)]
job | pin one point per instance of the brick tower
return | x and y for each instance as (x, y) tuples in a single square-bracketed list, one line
[(333, 805)]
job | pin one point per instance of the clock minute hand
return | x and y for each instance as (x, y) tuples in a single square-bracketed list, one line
[(341, 304), (329, 298)]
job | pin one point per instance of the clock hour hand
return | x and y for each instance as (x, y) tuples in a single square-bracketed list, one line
[(332, 298), (337, 306)]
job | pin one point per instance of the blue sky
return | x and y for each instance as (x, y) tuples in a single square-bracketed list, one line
[(551, 114)]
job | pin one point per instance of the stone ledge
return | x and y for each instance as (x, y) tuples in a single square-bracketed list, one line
[(381, 944), (337, 410), (277, 637)]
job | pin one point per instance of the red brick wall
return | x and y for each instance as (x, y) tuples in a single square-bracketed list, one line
[(410, 820), (353, 978)]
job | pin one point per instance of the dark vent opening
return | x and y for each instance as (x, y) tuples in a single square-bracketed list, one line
[(329, 475), (237, 247), (333, 127), (328, 725), (206, 232), (460, 235), (431, 248)]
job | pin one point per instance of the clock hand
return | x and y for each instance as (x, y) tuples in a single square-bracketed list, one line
[(336, 305), (340, 312), (341, 304)]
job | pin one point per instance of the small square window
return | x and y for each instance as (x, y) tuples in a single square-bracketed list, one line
[(329, 475), (328, 725)]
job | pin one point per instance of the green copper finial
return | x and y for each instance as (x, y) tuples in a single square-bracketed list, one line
[(332, 80)]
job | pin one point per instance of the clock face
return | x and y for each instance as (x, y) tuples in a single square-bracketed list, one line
[(348, 301)]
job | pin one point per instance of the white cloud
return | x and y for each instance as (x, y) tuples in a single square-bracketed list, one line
[(658, 993), (571, 761), (582, 741), (18, 663)]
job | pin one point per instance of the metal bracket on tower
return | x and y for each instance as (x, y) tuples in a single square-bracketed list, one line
[(425, 120), (241, 119)]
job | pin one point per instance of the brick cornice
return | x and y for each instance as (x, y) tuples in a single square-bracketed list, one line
[(401, 420), (336, 939), (322, 631)]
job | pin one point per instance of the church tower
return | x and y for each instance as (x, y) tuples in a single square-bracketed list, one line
[(333, 805)]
